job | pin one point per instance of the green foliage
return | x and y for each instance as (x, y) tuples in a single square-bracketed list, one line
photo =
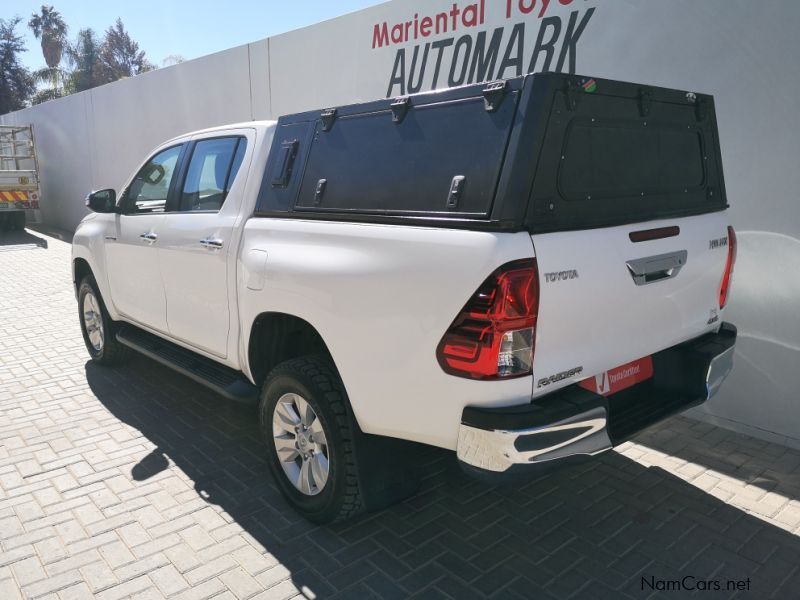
[(120, 56), (48, 26), (71, 67), (83, 57), (16, 82)]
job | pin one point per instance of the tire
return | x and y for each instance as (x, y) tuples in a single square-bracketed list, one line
[(103, 349), (314, 381)]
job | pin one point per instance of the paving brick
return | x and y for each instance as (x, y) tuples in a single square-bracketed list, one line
[(139, 567), (50, 585), (211, 569), (79, 591), (81, 515), (28, 570), (9, 590), (253, 561), (128, 588), (98, 576), (116, 554), (240, 583), (282, 591), (169, 580)]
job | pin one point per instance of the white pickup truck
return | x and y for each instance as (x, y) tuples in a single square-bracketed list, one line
[(526, 272)]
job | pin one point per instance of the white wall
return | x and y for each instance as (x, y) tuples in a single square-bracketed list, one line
[(745, 53)]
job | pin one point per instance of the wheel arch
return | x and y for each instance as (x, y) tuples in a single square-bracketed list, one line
[(80, 269), (276, 337)]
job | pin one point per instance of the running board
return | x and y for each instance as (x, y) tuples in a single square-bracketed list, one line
[(225, 381)]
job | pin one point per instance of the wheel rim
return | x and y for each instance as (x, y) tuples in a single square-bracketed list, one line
[(301, 444), (93, 321)]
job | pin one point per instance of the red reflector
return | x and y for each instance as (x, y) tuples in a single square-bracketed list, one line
[(654, 234), (492, 337), (725, 286), (620, 378)]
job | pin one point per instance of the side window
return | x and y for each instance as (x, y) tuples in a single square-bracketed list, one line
[(148, 190), (211, 171)]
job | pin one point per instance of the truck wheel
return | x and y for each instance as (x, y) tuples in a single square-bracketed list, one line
[(310, 436), (97, 327)]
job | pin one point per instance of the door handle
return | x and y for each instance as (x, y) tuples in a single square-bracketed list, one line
[(212, 243), (149, 237)]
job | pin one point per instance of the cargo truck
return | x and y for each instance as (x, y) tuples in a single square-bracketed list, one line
[(19, 178)]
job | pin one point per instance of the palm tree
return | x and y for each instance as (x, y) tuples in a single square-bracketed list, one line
[(83, 57), (48, 26)]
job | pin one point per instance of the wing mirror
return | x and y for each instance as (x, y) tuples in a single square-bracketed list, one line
[(102, 201)]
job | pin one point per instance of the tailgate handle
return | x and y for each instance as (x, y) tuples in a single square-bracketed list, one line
[(655, 268)]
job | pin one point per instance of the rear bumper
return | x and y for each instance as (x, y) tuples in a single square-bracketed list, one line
[(573, 423)]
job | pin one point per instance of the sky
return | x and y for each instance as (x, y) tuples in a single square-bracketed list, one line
[(188, 28)]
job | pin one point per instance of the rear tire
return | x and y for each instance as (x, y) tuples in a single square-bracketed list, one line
[(99, 331), (312, 455)]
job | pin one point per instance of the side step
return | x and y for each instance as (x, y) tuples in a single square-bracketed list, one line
[(227, 382)]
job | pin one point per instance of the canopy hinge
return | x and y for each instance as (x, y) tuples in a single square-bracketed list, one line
[(328, 116), (493, 95), (399, 108)]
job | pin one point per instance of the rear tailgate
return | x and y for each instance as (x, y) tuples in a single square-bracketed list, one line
[(617, 162), (592, 314)]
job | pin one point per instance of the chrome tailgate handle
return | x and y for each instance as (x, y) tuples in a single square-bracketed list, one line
[(655, 268)]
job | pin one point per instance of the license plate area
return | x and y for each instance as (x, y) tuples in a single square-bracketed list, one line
[(620, 378)]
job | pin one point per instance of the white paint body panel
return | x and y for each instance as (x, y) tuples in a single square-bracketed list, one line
[(602, 319), (134, 274), (381, 297), (195, 277)]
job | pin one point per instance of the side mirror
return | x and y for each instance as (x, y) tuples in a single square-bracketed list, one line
[(103, 201)]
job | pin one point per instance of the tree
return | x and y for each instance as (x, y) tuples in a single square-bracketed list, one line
[(172, 59), (120, 56), (83, 56), (48, 26), (16, 83)]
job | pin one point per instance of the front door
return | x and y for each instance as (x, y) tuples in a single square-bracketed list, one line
[(134, 275)]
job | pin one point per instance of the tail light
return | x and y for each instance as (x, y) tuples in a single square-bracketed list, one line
[(725, 287), (493, 335)]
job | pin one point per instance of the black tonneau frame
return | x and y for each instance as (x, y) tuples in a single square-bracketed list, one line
[(398, 160)]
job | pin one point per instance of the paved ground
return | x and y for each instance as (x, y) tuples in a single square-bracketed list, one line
[(137, 482)]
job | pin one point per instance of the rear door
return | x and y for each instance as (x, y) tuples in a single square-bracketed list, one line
[(197, 242), (629, 228)]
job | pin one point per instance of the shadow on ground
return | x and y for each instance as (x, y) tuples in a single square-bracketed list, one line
[(769, 466), (593, 531), (20, 240)]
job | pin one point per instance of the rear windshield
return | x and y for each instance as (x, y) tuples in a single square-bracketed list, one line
[(604, 161), (612, 159)]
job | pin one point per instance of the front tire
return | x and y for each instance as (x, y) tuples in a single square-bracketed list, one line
[(99, 331), (310, 436)]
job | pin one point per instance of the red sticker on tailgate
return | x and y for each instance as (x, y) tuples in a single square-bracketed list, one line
[(619, 378)]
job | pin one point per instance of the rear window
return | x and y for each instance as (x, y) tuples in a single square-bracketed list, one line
[(608, 159), (612, 159)]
